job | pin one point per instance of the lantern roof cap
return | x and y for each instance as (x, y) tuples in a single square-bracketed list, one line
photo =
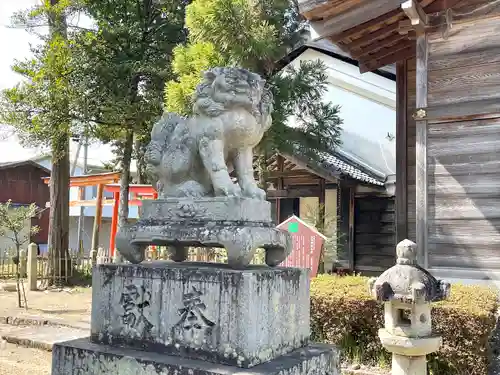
[(407, 281)]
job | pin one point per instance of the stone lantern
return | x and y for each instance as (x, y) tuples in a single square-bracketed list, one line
[(407, 291)]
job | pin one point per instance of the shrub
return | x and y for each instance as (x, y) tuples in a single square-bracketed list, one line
[(343, 313)]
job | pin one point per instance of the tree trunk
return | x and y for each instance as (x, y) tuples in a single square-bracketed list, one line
[(18, 275), (59, 262), (125, 178), (142, 177), (262, 169), (59, 268)]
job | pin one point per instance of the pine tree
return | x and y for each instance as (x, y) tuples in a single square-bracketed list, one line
[(257, 35)]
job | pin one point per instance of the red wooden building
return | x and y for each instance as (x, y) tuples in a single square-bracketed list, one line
[(22, 183)]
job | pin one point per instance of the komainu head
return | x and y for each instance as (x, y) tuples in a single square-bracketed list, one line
[(224, 89)]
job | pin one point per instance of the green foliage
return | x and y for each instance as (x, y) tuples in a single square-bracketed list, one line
[(189, 62), (123, 64), (343, 313), (240, 29), (14, 220), (125, 61), (331, 246), (256, 35)]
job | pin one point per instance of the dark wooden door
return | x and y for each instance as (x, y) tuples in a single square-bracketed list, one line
[(289, 207), (375, 234)]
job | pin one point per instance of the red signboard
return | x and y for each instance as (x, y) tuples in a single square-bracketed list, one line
[(307, 243)]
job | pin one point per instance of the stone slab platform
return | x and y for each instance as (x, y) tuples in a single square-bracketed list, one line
[(44, 337), (81, 357), (201, 310)]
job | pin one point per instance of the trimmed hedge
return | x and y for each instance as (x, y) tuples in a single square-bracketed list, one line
[(343, 313)]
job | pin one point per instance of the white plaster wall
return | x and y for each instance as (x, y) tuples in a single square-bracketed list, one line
[(104, 233), (367, 107), (6, 244)]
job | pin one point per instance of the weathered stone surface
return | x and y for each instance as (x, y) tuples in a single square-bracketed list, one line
[(189, 157), (240, 239), (231, 209), (205, 311), (240, 225), (40, 337), (407, 290), (80, 357), (407, 281), (190, 160)]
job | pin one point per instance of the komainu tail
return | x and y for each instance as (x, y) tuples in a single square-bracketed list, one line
[(160, 138)]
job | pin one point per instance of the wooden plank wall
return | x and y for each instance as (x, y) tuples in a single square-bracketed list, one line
[(24, 184), (410, 156), (464, 154), (375, 238)]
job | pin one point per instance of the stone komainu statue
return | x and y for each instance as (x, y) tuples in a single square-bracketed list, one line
[(190, 160), (192, 157)]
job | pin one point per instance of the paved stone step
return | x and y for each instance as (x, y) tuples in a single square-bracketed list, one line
[(37, 320), (40, 337)]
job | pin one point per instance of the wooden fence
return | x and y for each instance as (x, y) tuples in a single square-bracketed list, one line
[(80, 265)]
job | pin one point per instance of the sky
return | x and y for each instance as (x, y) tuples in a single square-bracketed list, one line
[(15, 44)]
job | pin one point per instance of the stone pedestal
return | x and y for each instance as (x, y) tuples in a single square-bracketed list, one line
[(240, 225), (81, 357), (164, 317), (403, 365), (239, 318)]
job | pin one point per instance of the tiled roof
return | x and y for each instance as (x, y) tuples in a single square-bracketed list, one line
[(336, 164)]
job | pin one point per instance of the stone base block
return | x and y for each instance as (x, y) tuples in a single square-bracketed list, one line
[(207, 209), (204, 311), (80, 357)]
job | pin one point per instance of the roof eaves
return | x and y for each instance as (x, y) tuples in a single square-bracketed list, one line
[(347, 168), (13, 164), (335, 52), (336, 166)]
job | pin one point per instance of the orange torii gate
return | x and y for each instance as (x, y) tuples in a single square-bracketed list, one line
[(136, 191), (106, 182)]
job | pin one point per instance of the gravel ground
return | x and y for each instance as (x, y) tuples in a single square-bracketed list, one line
[(15, 360), (67, 306)]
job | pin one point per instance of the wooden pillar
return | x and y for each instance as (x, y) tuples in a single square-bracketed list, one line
[(401, 151), (351, 239), (98, 217), (280, 160), (32, 267), (114, 223), (321, 204), (345, 225), (321, 222), (421, 153)]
